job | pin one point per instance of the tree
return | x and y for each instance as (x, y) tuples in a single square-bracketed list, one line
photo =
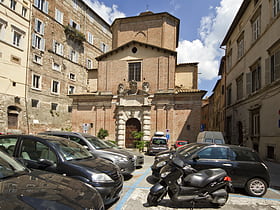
[(102, 133), (139, 144)]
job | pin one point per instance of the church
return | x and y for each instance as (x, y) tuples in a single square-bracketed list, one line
[(140, 86)]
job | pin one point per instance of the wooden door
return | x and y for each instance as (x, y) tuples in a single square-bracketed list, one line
[(131, 125)]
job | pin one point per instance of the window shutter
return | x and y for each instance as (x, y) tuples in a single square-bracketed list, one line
[(267, 71), (249, 83), (43, 45), (42, 28), (53, 45), (259, 71), (61, 17), (56, 17), (71, 22), (46, 7), (36, 24), (61, 53), (277, 65), (33, 40), (78, 27), (36, 3)]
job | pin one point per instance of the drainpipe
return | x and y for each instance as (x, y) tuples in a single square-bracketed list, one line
[(27, 68)]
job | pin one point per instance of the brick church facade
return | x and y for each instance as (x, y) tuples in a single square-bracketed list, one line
[(140, 86)]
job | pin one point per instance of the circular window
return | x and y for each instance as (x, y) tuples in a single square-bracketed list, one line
[(134, 50)]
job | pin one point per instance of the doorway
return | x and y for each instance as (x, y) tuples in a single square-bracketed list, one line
[(132, 124)]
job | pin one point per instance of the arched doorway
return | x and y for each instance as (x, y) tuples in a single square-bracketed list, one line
[(131, 125)]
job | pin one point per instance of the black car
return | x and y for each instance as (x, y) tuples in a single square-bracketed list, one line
[(62, 156), (22, 188), (124, 160), (242, 164)]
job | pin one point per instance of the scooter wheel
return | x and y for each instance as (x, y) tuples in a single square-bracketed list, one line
[(153, 200), (222, 202)]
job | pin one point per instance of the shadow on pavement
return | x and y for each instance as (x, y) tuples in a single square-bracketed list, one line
[(183, 204)]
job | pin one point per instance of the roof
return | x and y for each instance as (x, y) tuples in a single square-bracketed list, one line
[(236, 20), (133, 42), (88, 5)]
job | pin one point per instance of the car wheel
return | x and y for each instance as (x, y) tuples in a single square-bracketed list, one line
[(256, 187)]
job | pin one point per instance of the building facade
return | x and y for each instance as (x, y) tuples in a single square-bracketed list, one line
[(140, 86), (213, 107), (253, 78), (66, 36), (14, 42)]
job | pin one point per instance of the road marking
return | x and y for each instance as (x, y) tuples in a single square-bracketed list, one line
[(132, 188), (244, 196), (275, 191)]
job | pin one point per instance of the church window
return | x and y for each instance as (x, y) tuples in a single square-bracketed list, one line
[(134, 71)]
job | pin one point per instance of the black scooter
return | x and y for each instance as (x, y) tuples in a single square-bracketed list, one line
[(184, 183)]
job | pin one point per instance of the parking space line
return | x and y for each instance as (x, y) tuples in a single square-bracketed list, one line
[(126, 186), (132, 188), (275, 191), (244, 196)]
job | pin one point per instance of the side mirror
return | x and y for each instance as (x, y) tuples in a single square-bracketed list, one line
[(86, 147), (46, 163), (195, 157)]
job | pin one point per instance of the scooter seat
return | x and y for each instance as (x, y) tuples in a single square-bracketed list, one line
[(204, 177)]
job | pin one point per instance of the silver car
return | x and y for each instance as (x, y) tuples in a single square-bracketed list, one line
[(124, 160), (138, 156)]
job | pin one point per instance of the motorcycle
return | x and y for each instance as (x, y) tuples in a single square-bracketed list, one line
[(183, 183)]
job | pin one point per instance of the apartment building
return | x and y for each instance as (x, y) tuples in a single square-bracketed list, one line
[(253, 77), (14, 42), (65, 38), (213, 108)]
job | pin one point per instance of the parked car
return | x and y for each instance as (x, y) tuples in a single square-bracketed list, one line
[(62, 156), (180, 143), (157, 144), (242, 164), (215, 137), (124, 160), (22, 188), (137, 155)]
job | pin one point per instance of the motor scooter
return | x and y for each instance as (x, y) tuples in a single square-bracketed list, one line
[(183, 183)]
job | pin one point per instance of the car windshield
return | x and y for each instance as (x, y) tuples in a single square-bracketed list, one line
[(190, 150), (111, 144), (97, 143), (71, 150), (159, 141), (9, 166)]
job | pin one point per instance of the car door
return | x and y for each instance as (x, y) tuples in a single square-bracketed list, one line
[(213, 157), (33, 152), (245, 166)]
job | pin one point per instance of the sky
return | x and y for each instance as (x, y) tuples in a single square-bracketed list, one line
[(203, 26)]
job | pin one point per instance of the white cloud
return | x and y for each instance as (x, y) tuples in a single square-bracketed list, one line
[(174, 4), (109, 14), (212, 31)]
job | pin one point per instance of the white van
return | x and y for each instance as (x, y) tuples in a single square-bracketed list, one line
[(215, 137)]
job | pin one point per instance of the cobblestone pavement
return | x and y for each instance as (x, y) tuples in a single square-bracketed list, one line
[(136, 189)]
